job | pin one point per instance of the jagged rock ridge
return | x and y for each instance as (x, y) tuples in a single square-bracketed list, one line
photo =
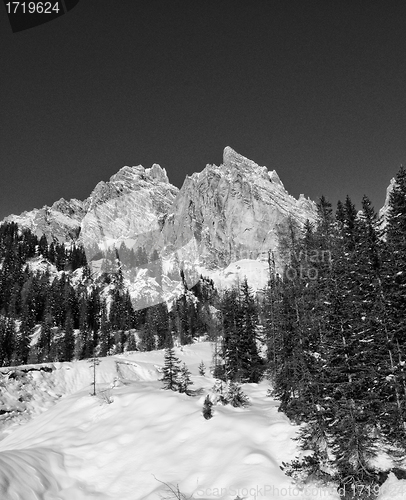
[(146, 193), (223, 214), (59, 222), (233, 211), (130, 208)]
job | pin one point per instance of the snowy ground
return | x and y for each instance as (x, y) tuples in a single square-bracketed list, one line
[(256, 272), (78, 447)]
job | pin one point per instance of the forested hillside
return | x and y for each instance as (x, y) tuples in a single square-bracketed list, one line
[(53, 308)]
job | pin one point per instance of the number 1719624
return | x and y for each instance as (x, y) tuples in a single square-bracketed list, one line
[(32, 7)]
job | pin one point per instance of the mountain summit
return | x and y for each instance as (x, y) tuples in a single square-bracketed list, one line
[(233, 211)]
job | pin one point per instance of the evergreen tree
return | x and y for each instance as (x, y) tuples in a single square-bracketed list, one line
[(93, 313), (250, 363), (45, 339), (184, 380), (85, 347), (164, 337), (234, 395), (132, 344), (271, 316), (69, 339), (28, 317), (202, 368), (239, 350), (105, 332), (207, 408), (229, 353), (171, 370), (43, 246), (9, 342), (393, 300), (147, 338)]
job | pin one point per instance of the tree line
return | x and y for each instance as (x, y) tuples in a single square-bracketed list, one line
[(335, 328)]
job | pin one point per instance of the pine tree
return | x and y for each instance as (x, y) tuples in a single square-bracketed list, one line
[(69, 339), (207, 408), (230, 313), (93, 313), (28, 317), (327, 338), (9, 342), (132, 344), (184, 380), (234, 395), (202, 368), (147, 337), (43, 246), (271, 315), (45, 339), (171, 370), (394, 301), (105, 331), (85, 346), (251, 364), (164, 337)]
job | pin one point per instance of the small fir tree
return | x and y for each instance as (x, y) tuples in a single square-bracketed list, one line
[(69, 339), (207, 408), (202, 369), (235, 396), (184, 380), (171, 370)]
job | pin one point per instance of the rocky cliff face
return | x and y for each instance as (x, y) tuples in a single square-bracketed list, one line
[(131, 208), (233, 211), (133, 202), (383, 212), (59, 222)]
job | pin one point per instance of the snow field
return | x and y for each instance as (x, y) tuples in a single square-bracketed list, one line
[(83, 448)]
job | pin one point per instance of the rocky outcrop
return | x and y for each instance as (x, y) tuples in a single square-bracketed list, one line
[(383, 212), (131, 208), (59, 223), (233, 211), (132, 203)]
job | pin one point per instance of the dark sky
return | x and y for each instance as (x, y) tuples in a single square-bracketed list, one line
[(313, 89)]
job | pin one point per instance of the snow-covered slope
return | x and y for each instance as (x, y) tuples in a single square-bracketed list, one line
[(83, 448), (256, 270)]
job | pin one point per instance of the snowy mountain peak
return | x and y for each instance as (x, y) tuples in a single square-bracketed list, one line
[(158, 173), (71, 208), (232, 159), (275, 178), (233, 211), (129, 180), (235, 164), (138, 173)]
